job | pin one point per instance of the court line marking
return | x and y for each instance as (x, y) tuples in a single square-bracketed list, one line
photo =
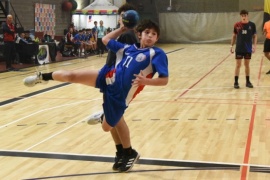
[(142, 161), (53, 87), (43, 110), (244, 170), (194, 96), (32, 94), (169, 52), (204, 76), (52, 136), (132, 171)]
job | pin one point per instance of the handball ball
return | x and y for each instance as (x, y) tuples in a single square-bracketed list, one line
[(66, 6), (130, 18)]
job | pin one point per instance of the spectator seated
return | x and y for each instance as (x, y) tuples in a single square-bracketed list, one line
[(47, 38), (26, 49), (67, 46)]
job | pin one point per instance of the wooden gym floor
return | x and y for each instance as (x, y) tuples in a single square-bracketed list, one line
[(196, 127)]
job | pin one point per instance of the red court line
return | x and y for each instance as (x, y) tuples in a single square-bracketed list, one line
[(203, 77), (245, 169), (259, 75), (248, 145)]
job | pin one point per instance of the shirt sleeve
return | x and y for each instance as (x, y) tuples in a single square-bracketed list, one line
[(115, 46), (160, 63), (234, 29), (255, 31)]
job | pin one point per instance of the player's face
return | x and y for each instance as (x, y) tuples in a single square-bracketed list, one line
[(244, 18), (148, 38), (9, 19)]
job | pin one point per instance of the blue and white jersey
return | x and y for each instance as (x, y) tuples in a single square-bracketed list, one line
[(116, 81), (130, 60)]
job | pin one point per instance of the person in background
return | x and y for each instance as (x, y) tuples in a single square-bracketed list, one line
[(266, 47), (78, 41), (89, 48), (93, 41), (28, 37), (9, 34), (69, 41), (244, 34), (94, 29), (101, 32)]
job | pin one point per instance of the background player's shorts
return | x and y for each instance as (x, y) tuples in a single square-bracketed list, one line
[(240, 55), (114, 102), (266, 47)]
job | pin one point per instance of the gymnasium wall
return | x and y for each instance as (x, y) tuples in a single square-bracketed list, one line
[(200, 6), (25, 11), (185, 15), (203, 27), (26, 14), (199, 21)]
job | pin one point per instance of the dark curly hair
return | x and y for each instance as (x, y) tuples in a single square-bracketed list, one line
[(147, 24), (243, 12), (125, 7)]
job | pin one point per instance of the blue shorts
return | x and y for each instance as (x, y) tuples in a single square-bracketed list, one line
[(114, 101)]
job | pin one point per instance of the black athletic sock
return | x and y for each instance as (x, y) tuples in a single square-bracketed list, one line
[(247, 79), (236, 79), (47, 76), (127, 151), (119, 148)]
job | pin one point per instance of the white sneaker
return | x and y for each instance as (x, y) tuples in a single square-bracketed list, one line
[(95, 118), (31, 81)]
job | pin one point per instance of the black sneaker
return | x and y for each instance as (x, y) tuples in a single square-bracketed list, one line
[(128, 161), (236, 86), (249, 85), (268, 72), (117, 161)]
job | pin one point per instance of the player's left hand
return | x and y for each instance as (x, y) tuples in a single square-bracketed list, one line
[(140, 79), (253, 49)]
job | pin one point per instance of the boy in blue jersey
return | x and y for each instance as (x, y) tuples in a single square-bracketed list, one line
[(88, 45), (244, 34), (134, 68), (128, 37), (78, 41)]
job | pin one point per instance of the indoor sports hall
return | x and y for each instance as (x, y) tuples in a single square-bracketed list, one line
[(197, 127)]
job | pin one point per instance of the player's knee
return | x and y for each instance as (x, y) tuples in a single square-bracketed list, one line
[(106, 127), (69, 76), (238, 66)]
